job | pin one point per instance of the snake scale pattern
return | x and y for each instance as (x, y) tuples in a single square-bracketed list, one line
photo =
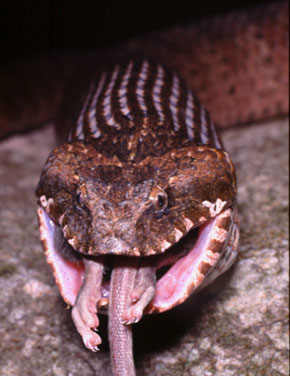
[(142, 168), (137, 207)]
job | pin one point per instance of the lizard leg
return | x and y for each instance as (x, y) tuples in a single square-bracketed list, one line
[(84, 312), (143, 292)]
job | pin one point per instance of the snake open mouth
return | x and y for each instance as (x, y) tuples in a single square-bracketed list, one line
[(181, 269)]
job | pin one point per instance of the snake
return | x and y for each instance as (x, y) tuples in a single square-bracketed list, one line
[(137, 205)]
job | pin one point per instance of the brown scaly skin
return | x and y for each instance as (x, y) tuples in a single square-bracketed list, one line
[(106, 206)]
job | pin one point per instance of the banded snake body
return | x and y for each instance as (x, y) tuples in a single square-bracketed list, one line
[(143, 168), (141, 185)]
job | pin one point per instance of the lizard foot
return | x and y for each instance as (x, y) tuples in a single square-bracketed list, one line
[(84, 312), (86, 323), (141, 296)]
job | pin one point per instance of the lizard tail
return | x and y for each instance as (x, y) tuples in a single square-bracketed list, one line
[(120, 335)]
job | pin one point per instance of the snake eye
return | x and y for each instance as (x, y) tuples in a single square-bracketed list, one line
[(161, 201), (159, 198), (78, 198)]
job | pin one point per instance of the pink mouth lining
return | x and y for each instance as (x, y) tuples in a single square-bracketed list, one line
[(183, 276), (68, 275), (175, 286)]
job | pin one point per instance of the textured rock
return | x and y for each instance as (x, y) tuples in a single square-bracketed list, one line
[(239, 326)]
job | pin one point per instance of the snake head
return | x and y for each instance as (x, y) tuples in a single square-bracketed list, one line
[(105, 206)]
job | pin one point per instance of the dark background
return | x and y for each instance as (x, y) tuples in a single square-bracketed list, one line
[(43, 26)]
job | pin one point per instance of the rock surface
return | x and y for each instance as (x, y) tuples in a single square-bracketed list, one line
[(238, 326)]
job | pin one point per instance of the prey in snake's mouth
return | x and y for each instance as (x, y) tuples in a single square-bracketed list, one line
[(172, 216)]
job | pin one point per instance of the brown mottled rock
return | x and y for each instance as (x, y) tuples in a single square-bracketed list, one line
[(238, 326)]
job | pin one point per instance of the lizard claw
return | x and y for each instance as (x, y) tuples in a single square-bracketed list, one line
[(86, 323), (141, 297), (84, 312)]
